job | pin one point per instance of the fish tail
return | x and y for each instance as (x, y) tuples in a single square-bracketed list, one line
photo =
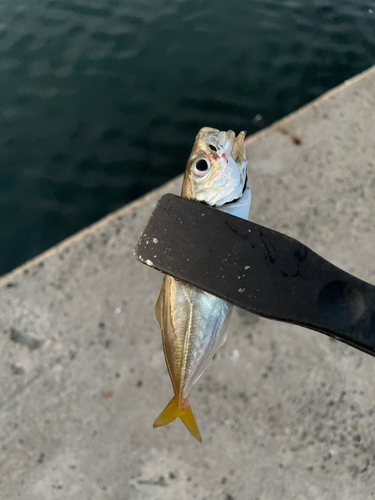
[(187, 417), (174, 410)]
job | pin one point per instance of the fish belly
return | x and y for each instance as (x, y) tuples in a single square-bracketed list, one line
[(193, 324)]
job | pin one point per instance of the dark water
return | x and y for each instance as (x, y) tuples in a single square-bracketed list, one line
[(100, 100)]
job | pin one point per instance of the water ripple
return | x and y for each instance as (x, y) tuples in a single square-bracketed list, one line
[(100, 99)]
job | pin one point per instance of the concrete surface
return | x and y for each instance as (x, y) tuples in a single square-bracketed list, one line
[(292, 416)]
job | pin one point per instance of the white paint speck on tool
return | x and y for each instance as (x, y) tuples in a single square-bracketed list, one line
[(247, 267), (155, 240), (241, 290), (234, 355), (149, 262)]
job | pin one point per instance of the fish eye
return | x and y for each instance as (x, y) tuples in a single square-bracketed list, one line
[(201, 166), (213, 148)]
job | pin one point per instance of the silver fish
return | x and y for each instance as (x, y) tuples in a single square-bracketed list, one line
[(192, 321)]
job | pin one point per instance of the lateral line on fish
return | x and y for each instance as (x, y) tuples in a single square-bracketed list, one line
[(186, 344)]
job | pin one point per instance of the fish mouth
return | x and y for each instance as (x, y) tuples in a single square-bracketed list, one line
[(217, 140)]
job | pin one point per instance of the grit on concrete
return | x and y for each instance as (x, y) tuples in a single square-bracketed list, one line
[(291, 417)]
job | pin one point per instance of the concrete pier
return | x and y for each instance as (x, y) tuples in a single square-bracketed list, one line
[(285, 413)]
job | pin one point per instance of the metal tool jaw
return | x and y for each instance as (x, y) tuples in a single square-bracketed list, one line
[(257, 269)]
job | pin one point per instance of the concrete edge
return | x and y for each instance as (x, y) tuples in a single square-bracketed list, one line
[(279, 124), (80, 234), (327, 95)]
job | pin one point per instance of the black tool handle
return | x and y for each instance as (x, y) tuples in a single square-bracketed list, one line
[(257, 269)]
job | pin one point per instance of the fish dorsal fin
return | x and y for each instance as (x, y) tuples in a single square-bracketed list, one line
[(159, 304)]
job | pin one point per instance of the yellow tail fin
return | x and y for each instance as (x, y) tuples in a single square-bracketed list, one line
[(172, 411)]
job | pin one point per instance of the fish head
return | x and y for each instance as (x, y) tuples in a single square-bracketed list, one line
[(216, 169)]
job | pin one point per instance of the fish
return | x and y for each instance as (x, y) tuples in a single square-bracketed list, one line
[(193, 322)]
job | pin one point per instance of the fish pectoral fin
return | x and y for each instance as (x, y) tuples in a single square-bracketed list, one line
[(172, 411)]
